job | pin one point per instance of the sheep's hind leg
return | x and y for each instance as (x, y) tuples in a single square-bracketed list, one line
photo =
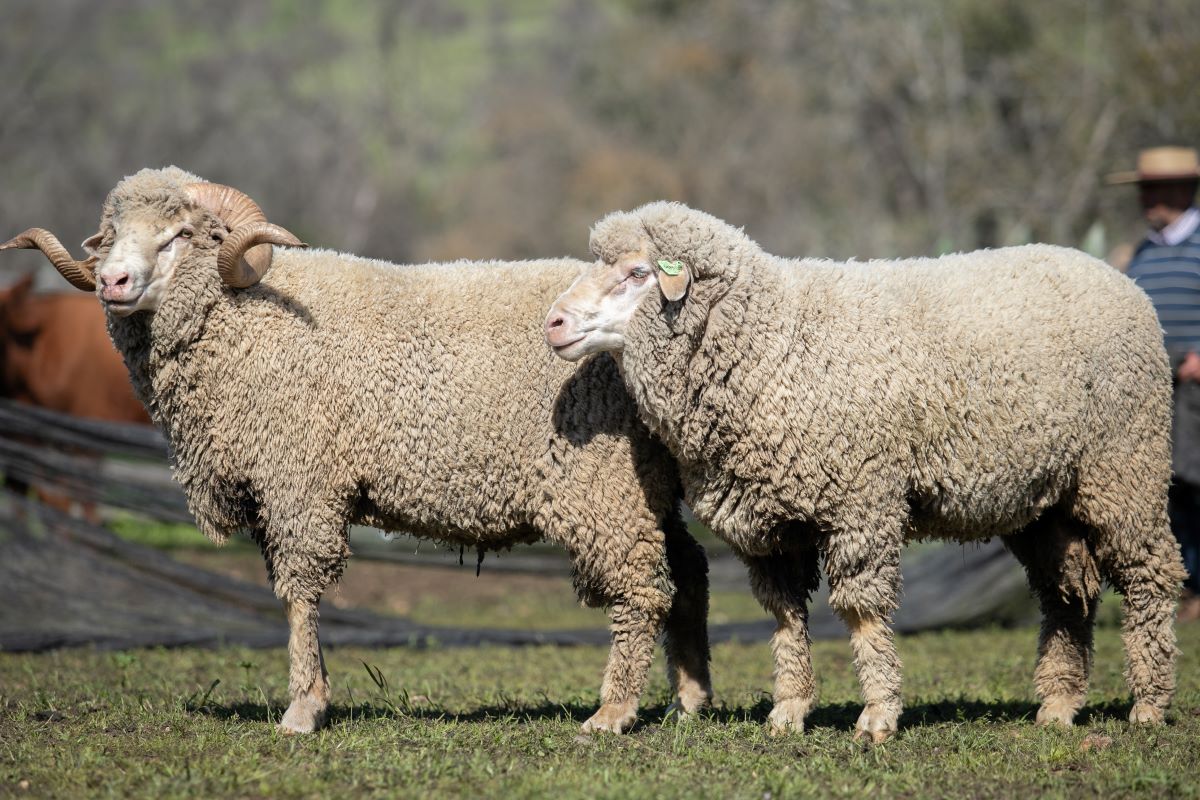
[(634, 582), (634, 634), (1122, 498), (686, 640), (864, 585), (1147, 571), (1063, 575), (782, 584)]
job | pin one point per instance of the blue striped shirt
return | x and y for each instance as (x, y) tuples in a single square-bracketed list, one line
[(1170, 274)]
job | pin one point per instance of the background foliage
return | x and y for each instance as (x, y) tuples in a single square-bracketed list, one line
[(438, 129)]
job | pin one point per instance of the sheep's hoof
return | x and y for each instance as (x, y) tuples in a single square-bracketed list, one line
[(690, 700), (788, 716), (304, 715), (679, 712), (612, 718), (1057, 712), (875, 724), (872, 737), (1146, 714)]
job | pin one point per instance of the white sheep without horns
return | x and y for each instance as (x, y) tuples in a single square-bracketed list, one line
[(339, 390), (833, 411)]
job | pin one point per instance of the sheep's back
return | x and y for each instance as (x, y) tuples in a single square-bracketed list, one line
[(992, 376), (1031, 360)]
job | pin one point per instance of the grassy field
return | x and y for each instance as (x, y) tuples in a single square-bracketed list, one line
[(504, 722)]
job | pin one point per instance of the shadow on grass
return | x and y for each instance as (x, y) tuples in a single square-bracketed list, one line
[(338, 712), (837, 716), (843, 716)]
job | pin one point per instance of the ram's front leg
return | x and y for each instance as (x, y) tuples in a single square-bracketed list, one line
[(308, 681), (305, 556)]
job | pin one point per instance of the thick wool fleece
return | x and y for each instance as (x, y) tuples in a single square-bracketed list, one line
[(418, 398), (844, 408)]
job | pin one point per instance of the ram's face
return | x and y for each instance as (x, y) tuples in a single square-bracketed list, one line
[(592, 315), (142, 242), (138, 256)]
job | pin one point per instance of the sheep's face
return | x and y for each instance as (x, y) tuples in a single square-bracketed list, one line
[(138, 255), (592, 315)]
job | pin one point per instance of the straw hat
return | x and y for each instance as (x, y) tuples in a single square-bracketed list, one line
[(1161, 164)]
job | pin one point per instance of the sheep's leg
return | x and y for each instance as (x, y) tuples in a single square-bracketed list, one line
[(1063, 575), (1122, 499), (783, 584), (304, 556), (308, 681), (1147, 572), (634, 634), (634, 582), (686, 641), (864, 587)]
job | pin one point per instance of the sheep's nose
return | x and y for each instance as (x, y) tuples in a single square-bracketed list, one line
[(558, 329), (108, 279)]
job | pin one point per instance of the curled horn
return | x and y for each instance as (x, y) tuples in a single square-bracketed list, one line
[(245, 255), (79, 273), (247, 239)]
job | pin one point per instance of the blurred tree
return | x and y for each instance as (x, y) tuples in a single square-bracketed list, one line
[(440, 129)]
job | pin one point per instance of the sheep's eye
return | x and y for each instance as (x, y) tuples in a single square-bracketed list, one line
[(186, 234), (639, 273)]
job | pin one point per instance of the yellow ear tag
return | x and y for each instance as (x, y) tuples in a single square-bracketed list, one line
[(670, 267)]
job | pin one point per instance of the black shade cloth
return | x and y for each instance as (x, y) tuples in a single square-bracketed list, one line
[(65, 582)]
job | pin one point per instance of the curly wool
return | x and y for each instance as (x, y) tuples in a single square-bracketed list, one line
[(344, 390), (854, 406)]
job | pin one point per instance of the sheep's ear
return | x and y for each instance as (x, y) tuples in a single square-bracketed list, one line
[(674, 277), (92, 242)]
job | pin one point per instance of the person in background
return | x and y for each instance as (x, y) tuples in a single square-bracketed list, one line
[(1166, 265)]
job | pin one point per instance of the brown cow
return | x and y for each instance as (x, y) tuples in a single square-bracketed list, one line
[(55, 353)]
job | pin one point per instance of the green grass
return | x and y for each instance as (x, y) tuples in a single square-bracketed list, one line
[(168, 535), (504, 722), (494, 721)]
